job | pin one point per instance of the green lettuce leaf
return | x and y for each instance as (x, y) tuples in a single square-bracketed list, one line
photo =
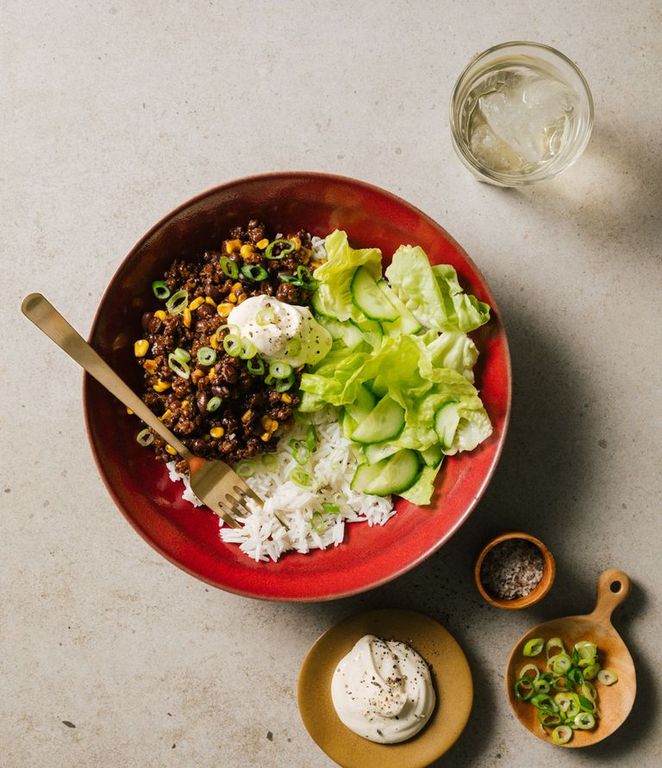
[(433, 294), (335, 275)]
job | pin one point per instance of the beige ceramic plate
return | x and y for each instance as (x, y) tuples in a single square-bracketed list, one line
[(450, 673)]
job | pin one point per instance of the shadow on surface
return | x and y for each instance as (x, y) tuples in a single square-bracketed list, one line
[(626, 200)]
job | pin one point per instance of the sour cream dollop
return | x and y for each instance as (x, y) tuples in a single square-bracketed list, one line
[(281, 332), (382, 690)]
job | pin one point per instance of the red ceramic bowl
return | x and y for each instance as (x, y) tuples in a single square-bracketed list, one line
[(189, 537)]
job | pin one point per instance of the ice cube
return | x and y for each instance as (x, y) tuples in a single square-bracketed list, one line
[(524, 112)]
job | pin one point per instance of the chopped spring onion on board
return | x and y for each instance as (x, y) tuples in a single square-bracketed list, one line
[(534, 646)]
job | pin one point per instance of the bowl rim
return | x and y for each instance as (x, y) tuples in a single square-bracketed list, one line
[(538, 592), (298, 175)]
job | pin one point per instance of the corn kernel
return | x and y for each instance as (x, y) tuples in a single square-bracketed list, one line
[(150, 366), (286, 398), (161, 386), (232, 298), (232, 245), (184, 403), (297, 242), (265, 421), (210, 301), (236, 287), (247, 416), (213, 341), (140, 347), (265, 437), (170, 450), (211, 376), (196, 303), (197, 375), (241, 298), (186, 316), (246, 250), (273, 426), (166, 414), (160, 313), (262, 244), (129, 411), (224, 309), (217, 432)]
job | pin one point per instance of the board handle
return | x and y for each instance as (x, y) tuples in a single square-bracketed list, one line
[(613, 588)]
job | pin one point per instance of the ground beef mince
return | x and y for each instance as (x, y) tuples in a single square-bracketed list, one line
[(251, 415)]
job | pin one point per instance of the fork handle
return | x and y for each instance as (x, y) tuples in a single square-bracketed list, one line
[(44, 315)]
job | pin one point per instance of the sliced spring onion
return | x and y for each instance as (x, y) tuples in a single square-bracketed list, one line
[(524, 672), (317, 523), (588, 690), (269, 380), (607, 677), (561, 734), (265, 316), (534, 646), (245, 469), (304, 274), (554, 646), (177, 302), (575, 676), (541, 686), (586, 704), (591, 672), (545, 703), (330, 509), (311, 438), (300, 477), (301, 454), (181, 355), (229, 267), (254, 272), (280, 370), (560, 663), (586, 649), (233, 345), (293, 279), (523, 688), (282, 385), (206, 356), (287, 247), (255, 366), (144, 438), (214, 404), (568, 704), (178, 366), (160, 290), (560, 684), (248, 350), (584, 721), (548, 719), (269, 460)]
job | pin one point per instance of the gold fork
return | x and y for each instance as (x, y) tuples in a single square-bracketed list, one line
[(213, 482)]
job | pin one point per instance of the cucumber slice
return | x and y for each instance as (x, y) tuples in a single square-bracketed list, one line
[(446, 420), (348, 425), (368, 298), (405, 323), (384, 422), (372, 332), (316, 303), (392, 475), (333, 326), (432, 456), (361, 407), (375, 452)]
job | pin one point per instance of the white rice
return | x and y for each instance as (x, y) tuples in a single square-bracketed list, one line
[(331, 468)]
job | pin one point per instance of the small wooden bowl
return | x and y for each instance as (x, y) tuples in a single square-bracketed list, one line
[(543, 586)]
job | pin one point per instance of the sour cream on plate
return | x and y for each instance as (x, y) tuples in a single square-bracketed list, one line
[(382, 690), (281, 332)]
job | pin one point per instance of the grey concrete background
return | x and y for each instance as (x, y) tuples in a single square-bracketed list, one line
[(115, 112)]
